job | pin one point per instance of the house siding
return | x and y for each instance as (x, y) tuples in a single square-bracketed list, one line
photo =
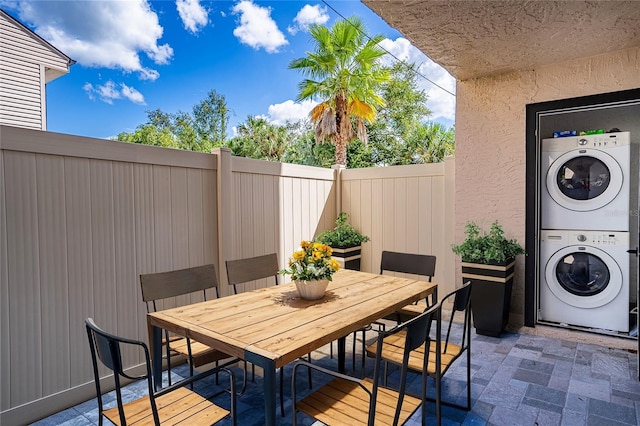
[(24, 61), (491, 137)]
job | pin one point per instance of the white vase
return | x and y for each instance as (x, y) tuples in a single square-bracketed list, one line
[(313, 289)]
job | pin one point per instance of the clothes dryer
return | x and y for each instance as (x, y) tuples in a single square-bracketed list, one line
[(584, 279), (586, 182)]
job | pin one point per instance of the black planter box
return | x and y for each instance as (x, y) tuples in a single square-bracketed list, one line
[(349, 258), (490, 295)]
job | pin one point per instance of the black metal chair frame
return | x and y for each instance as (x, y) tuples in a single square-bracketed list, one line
[(461, 303), (106, 347), (417, 334), (182, 282), (408, 263)]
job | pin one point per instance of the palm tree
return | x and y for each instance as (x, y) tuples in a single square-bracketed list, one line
[(343, 74)]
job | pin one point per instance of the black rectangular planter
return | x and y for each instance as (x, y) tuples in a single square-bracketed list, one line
[(349, 258), (490, 295)]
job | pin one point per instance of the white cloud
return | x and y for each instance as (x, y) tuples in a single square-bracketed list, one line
[(109, 34), (193, 15), (132, 94), (309, 15), (441, 103), (257, 29), (290, 111), (110, 91)]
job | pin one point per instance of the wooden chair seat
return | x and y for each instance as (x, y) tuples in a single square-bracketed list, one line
[(393, 349), (346, 400), (173, 405), (343, 402), (201, 354), (180, 407), (412, 310), (443, 350)]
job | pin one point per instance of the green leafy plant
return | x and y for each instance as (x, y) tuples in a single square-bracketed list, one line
[(481, 247), (343, 235)]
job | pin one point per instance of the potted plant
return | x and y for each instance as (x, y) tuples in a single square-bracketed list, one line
[(488, 261), (311, 269), (345, 241)]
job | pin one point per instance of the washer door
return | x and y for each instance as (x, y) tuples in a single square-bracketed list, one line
[(583, 276), (584, 179)]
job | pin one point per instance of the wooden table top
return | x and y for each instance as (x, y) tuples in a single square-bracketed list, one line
[(276, 324)]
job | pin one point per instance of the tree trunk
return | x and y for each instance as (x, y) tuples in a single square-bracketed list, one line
[(343, 128)]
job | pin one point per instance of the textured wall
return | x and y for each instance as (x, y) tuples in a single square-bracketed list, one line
[(490, 138)]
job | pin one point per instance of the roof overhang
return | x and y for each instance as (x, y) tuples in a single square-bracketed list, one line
[(479, 38)]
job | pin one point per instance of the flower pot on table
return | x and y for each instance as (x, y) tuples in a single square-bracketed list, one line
[(311, 289), (490, 294)]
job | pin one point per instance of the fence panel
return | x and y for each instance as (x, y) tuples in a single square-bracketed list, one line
[(404, 208)]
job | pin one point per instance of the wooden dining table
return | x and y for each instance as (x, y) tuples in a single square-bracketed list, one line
[(271, 327)]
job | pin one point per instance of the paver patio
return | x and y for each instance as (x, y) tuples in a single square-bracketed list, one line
[(518, 379)]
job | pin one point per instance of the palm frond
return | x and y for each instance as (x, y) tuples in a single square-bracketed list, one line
[(324, 118), (361, 110)]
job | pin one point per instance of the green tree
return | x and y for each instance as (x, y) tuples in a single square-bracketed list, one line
[(343, 73), (200, 131), (148, 134), (400, 134), (405, 104), (257, 138), (430, 143), (303, 148), (210, 119)]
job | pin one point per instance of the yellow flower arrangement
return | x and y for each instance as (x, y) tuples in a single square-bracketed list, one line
[(312, 262)]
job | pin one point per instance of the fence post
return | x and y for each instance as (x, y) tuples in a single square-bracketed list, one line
[(338, 185), (224, 207)]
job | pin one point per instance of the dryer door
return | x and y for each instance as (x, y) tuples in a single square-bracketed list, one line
[(583, 276), (584, 179)]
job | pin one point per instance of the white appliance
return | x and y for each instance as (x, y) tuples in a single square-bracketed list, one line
[(584, 278), (586, 182)]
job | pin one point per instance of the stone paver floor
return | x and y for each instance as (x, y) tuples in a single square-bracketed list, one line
[(517, 379)]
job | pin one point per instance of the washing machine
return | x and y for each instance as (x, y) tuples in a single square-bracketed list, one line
[(585, 182), (584, 279)]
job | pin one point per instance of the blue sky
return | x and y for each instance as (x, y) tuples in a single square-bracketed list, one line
[(137, 55)]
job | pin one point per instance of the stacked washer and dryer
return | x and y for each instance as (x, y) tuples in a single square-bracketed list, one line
[(584, 208)]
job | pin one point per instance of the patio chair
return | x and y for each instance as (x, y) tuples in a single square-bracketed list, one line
[(443, 350), (252, 268), (170, 406), (240, 271), (408, 263), (164, 285), (347, 400)]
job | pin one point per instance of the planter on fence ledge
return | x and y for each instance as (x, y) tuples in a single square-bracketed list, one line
[(349, 258), (490, 294)]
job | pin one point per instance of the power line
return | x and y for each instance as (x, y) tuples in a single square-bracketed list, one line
[(391, 54)]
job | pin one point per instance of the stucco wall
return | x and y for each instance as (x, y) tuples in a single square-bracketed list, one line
[(490, 138)]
